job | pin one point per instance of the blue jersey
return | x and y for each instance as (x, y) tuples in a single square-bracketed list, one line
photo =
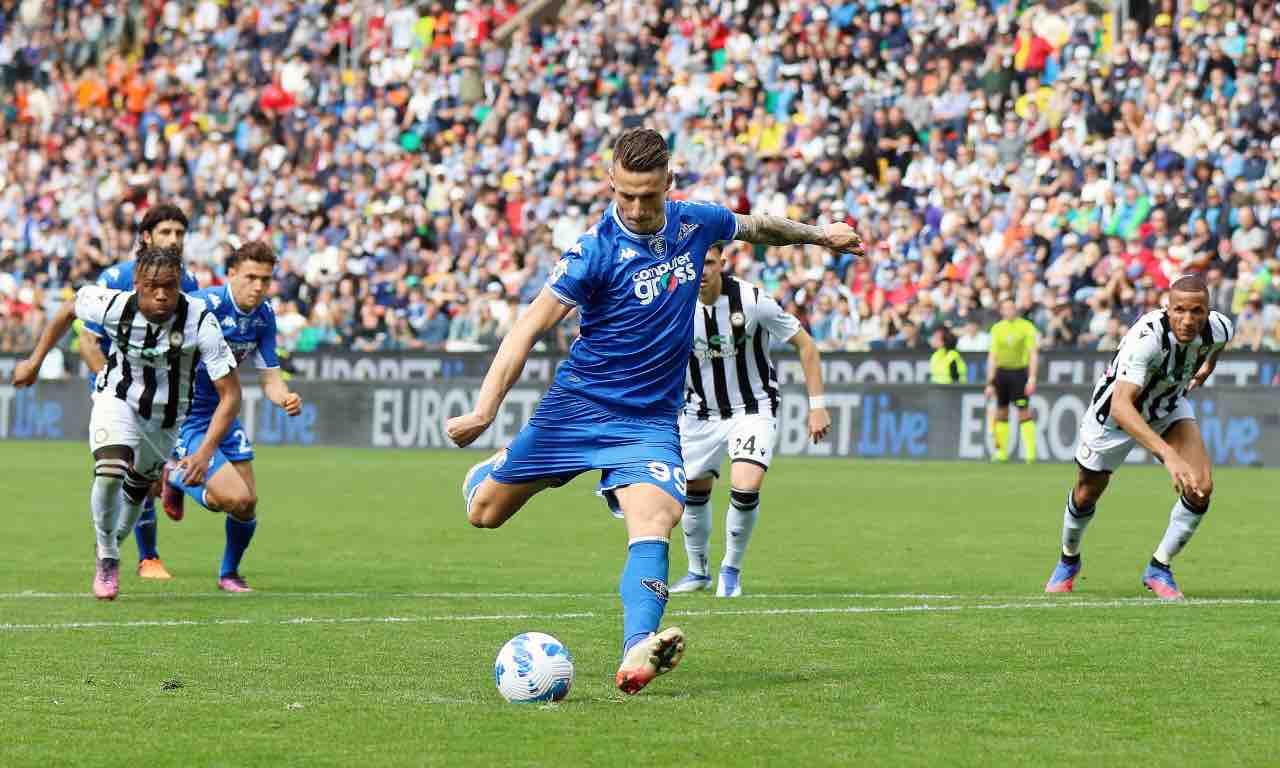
[(636, 295), (120, 278), (252, 333)]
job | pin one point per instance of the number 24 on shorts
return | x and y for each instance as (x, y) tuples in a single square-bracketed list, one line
[(663, 474), (749, 446)]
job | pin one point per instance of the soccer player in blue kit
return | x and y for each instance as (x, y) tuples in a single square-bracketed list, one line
[(249, 326), (163, 226), (634, 278)]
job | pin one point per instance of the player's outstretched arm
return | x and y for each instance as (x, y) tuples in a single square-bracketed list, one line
[(543, 314), (196, 465), (763, 229), (1124, 411), (24, 374), (811, 362), (277, 391)]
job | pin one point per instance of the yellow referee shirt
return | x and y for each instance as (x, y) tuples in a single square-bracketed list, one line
[(1012, 341)]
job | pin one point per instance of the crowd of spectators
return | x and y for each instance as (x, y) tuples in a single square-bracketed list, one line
[(421, 166)]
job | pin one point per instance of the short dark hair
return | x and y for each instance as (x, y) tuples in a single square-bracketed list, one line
[(255, 250), (1191, 283), (161, 213), (641, 149), (155, 258)]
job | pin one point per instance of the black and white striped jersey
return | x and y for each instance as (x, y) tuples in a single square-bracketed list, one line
[(1151, 358), (152, 367), (730, 371)]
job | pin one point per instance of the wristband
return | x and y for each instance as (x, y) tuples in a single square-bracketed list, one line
[(817, 401)]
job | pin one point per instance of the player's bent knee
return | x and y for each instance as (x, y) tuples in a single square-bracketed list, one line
[(243, 507), (485, 514)]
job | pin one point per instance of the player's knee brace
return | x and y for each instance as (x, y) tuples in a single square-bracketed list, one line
[(696, 499), (135, 487), (1198, 505), (111, 471), (745, 500)]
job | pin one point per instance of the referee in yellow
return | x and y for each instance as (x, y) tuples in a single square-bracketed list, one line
[(1011, 377)]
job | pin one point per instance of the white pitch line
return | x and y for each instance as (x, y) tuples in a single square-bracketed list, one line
[(708, 613)]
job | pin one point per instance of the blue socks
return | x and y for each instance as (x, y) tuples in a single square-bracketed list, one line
[(239, 534), (145, 531), (643, 589)]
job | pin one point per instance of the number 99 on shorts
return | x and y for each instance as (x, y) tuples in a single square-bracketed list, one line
[(665, 474)]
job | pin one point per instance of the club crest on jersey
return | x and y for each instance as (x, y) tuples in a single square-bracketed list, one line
[(737, 319), (686, 230), (664, 277), (658, 245), (175, 338)]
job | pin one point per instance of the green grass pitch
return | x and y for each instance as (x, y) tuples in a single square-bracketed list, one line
[(893, 615)]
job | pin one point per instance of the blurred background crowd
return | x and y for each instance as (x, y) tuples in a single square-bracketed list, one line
[(420, 166)]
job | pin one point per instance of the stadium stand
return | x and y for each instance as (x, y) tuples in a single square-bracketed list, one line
[(420, 176)]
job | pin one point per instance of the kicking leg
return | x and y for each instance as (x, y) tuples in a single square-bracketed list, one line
[(1187, 513), (491, 503), (739, 523), (1081, 505), (697, 524), (650, 513)]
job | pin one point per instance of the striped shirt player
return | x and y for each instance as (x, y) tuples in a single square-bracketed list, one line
[(731, 408), (144, 392), (120, 277), (1142, 398), (1151, 358), (141, 396), (731, 399)]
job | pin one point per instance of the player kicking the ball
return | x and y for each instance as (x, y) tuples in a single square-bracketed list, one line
[(240, 308), (158, 335), (1142, 398), (614, 403), (731, 407)]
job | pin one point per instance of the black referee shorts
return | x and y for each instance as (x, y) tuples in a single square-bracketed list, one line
[(1011, 387)]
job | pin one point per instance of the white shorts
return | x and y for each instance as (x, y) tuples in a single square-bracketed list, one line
[(1100, 448), (743, 438), (113, 422)]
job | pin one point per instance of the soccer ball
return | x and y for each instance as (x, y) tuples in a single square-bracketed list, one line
[(533, 667)]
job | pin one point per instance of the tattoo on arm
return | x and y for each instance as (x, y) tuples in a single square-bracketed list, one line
[(763, 229)]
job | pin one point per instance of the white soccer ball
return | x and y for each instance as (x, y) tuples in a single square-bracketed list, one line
[(533, 667)]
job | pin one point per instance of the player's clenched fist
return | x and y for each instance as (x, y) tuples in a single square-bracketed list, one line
[(463, 430), (292, 404), (843, 239), (24, 374)]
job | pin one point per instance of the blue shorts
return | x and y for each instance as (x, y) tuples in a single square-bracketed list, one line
[(234, 447), (569, 435)]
